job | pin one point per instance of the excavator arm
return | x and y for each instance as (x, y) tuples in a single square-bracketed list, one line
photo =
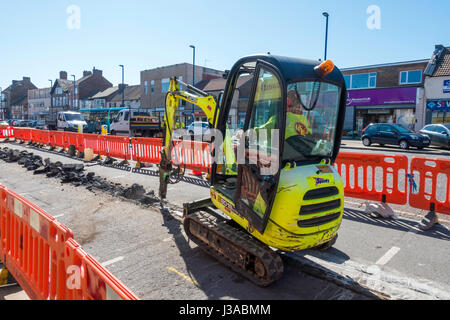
[(199, 98)]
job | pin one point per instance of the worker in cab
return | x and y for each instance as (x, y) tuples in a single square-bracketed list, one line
[(297, 123)]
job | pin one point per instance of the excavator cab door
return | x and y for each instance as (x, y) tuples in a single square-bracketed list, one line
[(252, 140), (259, 168)]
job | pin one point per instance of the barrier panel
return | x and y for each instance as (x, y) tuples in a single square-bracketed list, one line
[(432, 184), (44, 137), (75, 139), (89, 280), (32, 246), (193, 155), (115, 147), (91, 141), (41, 255), (374, 177), (146, 149), (57, 139), (23, 134), (6, 132)]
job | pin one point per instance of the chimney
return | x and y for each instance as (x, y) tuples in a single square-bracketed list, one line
[(86, 73), (97, 72), (26, 79), (63, 75)]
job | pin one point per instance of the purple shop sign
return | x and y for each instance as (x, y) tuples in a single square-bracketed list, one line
[(382, 97)]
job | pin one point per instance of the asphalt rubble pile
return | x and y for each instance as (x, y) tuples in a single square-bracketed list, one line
[(76, 175)]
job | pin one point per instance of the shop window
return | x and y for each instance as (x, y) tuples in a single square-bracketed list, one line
[(410, 77)]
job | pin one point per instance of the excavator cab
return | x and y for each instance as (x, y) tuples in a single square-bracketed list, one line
[(281, 114), (278, 132)]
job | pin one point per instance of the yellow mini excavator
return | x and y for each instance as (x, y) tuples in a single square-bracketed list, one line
[(277, 132)]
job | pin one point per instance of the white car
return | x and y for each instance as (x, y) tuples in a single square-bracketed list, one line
[(198, 128)]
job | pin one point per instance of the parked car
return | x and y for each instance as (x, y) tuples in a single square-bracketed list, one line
[(439, 134), (19, 123), (198, 128), (393, 134), (4, 123)]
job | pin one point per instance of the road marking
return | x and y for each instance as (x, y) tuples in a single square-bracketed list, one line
[(58, 216), (398, 211), (112, 261), (195, 283), (388, 256)]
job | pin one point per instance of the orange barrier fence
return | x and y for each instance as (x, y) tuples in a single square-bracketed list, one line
[(374, 177), (193, 155), (115, 147), (58, 139), (432, 184), (6, 132), (146, 149), (39, 252)]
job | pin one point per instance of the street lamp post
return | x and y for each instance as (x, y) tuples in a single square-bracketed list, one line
[(326, 15), (74, 84), (51, 99), (193, 77), (123, 86)]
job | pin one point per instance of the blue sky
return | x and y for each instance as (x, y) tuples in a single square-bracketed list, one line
[(37, 42)]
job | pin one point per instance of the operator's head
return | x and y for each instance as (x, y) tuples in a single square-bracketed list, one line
[(293, 104)]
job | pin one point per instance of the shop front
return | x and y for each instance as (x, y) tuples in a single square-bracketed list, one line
[(438, 111), (393, 105)]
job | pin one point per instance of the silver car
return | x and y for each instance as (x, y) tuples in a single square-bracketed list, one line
[(439, 134)]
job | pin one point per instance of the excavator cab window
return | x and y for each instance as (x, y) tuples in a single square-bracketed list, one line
[(258, 173), (251, 148), (227, 169)]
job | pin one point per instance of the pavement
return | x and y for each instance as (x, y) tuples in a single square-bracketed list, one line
[(146, 248)]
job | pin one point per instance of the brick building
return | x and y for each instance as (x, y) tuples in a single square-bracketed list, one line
[(68, 94), (39, 103), (15, 99), (155, 84), (384, 93)]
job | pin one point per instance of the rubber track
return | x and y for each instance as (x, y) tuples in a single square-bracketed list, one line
[(244, 245)]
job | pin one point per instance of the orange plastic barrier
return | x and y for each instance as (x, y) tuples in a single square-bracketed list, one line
[(32, 246), (58, 139), (74, 139), (89, 280), (115, 147), (6, 132), (146, 149), (44, 137), (22, 134), (432, 181), (193, 155), (45, 260), (91, 141), (374, 177)]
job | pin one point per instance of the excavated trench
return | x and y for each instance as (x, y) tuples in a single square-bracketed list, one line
[(76, 175)]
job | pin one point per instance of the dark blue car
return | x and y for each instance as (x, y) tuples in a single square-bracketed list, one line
[(393, 134)]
